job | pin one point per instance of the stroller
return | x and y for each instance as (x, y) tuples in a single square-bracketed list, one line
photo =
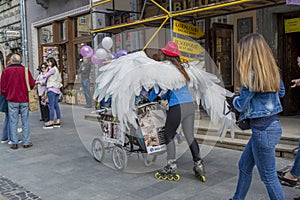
[(147, 139)]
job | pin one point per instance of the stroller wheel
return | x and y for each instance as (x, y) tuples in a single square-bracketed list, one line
[(98, 149), (119, 157), (149, 159)]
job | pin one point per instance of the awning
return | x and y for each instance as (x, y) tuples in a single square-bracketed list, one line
[(202, 12)]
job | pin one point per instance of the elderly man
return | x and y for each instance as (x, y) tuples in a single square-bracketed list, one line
[(14, 88)]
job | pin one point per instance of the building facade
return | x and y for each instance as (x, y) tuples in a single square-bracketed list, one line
[(223, 22), (10, 30), (58, 29)]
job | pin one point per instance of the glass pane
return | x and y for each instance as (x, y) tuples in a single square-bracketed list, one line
[(46, 34), (62, 30), (82, 25)]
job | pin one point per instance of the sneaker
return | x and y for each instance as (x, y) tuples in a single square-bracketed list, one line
[(20, 141), (14, 146), (48, 126), (57, 125), (4, 141), (27, 145)]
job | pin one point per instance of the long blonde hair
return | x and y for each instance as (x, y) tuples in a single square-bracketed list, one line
[(256, 64)]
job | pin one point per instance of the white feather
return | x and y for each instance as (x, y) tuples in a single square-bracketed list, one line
[(124, 78)]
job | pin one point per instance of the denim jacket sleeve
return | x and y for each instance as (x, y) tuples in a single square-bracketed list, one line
[(240, 102), (282, 89), (258, 104)]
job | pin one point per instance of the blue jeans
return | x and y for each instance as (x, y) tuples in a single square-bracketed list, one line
[(6, 129), (86, 91), (260, 151), (295, 171), (53, 105), (14, 109)]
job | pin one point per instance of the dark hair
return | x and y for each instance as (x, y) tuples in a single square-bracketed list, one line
[(44, 63), (52, 60), (175, 60)]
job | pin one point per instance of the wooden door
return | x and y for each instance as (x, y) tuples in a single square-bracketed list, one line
[(222, 52)]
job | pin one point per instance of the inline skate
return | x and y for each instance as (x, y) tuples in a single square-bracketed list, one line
[(199, 170), (168, 172)]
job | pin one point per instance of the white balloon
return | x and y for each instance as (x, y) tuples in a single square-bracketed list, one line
[(101, 53), (107, 43)]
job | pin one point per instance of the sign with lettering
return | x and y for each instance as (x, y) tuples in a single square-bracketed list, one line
[(188, 46), (292, 25), (187, 29), (13, 34)]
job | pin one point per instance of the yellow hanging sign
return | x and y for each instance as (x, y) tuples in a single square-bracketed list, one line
[(188, 46), (187, 29), (292, 25)]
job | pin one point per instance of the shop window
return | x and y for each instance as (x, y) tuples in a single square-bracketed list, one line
[(82, 20), (62, 30), (46, 34), (82, 25)]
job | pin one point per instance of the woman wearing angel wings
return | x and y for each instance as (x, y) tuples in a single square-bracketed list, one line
[(124, 78), (181, 110)]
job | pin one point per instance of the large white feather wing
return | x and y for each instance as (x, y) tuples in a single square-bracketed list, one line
[(205, 86), (123, 79)]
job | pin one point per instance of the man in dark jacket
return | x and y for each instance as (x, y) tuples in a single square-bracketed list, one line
[(84, 71), (14, 88)]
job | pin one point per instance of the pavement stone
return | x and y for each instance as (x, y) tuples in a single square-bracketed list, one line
[(60, 166)]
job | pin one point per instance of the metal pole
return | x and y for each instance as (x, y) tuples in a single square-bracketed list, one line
[(24, 33), (171, 19)]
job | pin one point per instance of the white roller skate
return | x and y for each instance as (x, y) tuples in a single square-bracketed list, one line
[(199, 170), (168, 172)]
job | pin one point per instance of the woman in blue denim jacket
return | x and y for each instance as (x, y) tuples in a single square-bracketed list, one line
[(259, 101)]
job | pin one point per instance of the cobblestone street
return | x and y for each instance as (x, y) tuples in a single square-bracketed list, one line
[(13, 191)]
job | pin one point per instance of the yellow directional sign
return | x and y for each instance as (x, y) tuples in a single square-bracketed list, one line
[(188, 46), (292, 25), (186, 59), (187, 29)]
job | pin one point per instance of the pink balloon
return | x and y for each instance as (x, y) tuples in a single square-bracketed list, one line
[(86, 51), (96, 60)]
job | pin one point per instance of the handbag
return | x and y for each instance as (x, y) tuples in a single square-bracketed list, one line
[(242, 124), (32, 95), (3, 104)]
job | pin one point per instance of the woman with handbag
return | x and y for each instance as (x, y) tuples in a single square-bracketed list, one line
[(259, 101), (53, 91)]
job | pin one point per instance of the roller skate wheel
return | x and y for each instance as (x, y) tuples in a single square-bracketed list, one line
[(157, 175), (177, 177), (203, 178)]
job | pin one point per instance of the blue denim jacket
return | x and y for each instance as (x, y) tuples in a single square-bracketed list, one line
[(258, 104)]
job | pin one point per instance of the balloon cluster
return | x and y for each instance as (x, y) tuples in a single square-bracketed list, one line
[(101, 53)]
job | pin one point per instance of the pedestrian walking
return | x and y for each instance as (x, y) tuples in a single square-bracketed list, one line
[(259, 101), (53, 91), (14, 88), (84, 72)]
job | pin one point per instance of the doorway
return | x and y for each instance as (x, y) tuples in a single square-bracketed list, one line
[(289, 50)]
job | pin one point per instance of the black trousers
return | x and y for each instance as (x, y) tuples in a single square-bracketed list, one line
[(44, 109)]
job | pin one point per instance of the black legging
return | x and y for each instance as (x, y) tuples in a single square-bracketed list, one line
[(184, 113)]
